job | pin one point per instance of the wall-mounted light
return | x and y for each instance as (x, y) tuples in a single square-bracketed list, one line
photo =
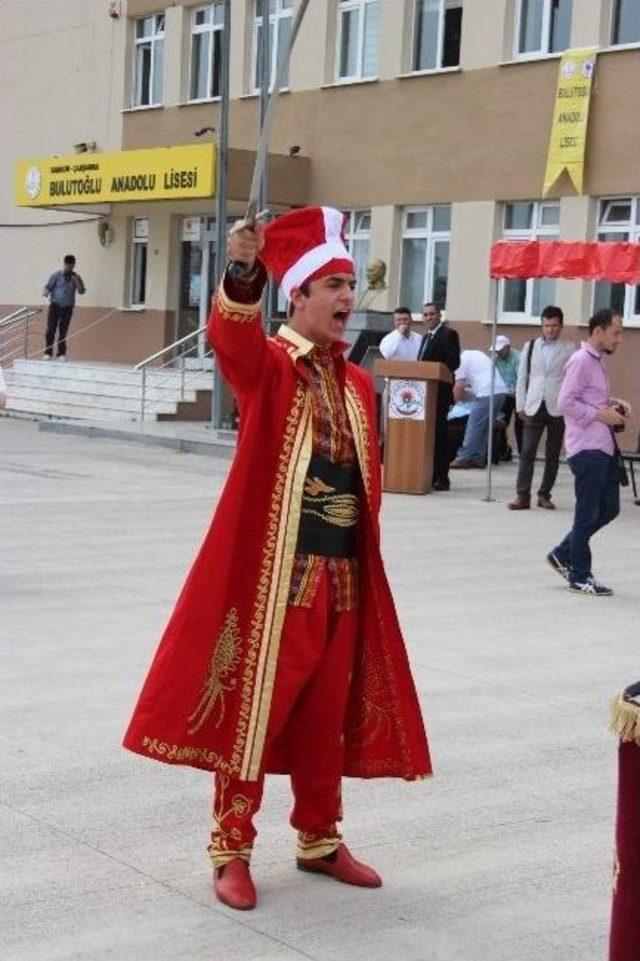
[(294, 150)]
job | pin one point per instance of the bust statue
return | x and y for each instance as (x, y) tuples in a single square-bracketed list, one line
[(376, 273)]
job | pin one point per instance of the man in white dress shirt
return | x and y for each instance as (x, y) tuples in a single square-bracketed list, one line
[(402, 343), (474, 376), (540, 374)]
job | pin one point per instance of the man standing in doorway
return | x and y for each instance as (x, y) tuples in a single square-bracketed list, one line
[(592, 416), (540, 374), (61, 289), (402, 343), (441, 345)]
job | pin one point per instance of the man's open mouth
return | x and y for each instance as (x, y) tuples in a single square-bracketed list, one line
[(342, 316)]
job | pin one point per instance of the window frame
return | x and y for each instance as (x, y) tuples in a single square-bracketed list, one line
[(538, 231), (196, 29), (275, 18), (153, 39), (432, 237), (354, 233), (345, 6), (545, 31), (619, 45), (631, 228), (136, 242), (414, 40)]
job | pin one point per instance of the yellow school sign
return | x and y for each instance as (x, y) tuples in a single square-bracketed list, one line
[(570, 116), (162, 173)]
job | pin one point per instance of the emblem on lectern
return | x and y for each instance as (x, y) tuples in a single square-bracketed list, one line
[(407, 399)]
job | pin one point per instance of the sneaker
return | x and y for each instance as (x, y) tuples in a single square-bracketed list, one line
[(590, 586), (62, 357), (554, 561), (47, 357)]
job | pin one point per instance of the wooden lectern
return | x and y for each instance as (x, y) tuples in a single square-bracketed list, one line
[(409, 417)]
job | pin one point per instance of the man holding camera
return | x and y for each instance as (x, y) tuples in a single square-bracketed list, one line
[(592, 417)]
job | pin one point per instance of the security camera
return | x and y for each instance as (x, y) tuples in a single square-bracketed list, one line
[(294, 150)]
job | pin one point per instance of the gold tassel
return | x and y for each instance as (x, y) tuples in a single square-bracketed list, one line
[(625, 719)]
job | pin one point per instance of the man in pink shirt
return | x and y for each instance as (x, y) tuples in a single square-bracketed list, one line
[(591, 416)]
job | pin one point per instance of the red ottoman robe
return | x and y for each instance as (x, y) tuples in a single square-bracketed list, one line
[(206, 699)]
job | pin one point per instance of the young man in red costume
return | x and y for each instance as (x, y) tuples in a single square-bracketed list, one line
[(284, 653)]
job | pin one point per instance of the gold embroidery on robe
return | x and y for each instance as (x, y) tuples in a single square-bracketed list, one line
[(227, 844), (339, 510), (224, 660)]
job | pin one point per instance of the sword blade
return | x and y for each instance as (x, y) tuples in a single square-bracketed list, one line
[(263, 142)]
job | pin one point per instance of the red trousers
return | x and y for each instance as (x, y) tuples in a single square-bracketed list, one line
[(306, 724)]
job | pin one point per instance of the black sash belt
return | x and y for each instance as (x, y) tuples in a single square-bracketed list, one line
[(330, 508)]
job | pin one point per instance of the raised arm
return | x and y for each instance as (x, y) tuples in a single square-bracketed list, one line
[(79, 282), (235, 328), (389, 344)]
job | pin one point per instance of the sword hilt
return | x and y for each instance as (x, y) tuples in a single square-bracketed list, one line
[(237, 268)]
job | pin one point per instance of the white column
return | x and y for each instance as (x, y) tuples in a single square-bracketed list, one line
[(577, 222), (173, 55), (469, 290), (487, 33), (385, 245)]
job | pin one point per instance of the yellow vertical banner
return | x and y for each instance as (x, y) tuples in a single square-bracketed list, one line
[(570, 117)]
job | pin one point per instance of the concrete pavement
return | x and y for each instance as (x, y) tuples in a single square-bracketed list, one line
[(505, 854)]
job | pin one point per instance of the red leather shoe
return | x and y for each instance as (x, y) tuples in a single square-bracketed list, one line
[(342, 866), (233, 885)]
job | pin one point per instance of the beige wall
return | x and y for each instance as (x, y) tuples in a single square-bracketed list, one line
[(62, 84)]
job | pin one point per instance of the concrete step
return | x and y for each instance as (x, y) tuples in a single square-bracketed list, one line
[(97, 391), (155, 391), (108, 373), (51, 409), (130, 404)]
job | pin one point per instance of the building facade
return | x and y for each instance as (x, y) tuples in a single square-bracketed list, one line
[(428, 121)]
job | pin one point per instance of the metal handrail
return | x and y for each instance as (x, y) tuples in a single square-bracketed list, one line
[(176, 343), (21, 314), (143, 364)]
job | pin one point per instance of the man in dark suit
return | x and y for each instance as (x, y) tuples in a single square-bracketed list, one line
[(441, 345)]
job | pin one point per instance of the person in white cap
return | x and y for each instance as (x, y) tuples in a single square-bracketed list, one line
[(284, 653), (507, 362)]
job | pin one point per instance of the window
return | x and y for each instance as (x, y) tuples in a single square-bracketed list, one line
[(524, 300), (357, 50), (139, 262), (437, 32), (357, 235), (626, 22), (207, 24), (279, 32), (619, 221), (149, 61), (426, 234), (543, 26)]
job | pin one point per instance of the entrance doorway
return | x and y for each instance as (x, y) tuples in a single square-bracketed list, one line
[(197, 278)]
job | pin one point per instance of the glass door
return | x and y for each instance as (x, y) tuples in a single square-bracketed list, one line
[(197, 265)]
